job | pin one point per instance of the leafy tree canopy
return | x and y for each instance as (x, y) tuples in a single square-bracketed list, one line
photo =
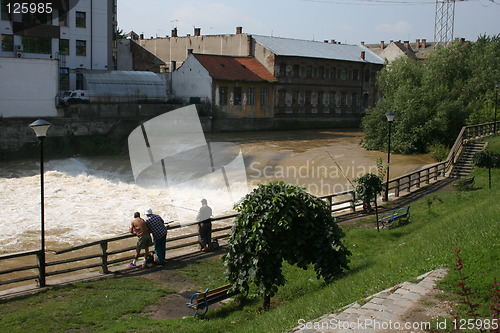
[(433, 99), (280, 222)]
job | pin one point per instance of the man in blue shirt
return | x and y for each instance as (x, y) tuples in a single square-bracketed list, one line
[(157, 227)]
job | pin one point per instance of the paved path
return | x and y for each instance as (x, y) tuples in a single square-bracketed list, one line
[(382, 312)]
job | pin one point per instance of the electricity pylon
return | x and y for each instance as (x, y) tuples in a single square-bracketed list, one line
[(445, 17)]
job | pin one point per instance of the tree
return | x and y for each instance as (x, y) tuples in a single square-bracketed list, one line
[(487, 159), (434, 98), (280, 222)]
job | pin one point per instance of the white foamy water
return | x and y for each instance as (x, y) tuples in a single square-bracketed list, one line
[(83, 204)]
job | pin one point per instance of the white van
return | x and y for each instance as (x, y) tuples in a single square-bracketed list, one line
[(75, 96)]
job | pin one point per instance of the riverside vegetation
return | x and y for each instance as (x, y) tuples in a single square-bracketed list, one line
[(378, 261)]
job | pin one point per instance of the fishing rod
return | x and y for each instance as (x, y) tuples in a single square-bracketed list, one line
[(193, 210), (338, 166)]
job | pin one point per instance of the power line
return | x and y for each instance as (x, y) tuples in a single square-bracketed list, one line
[(380, 2)]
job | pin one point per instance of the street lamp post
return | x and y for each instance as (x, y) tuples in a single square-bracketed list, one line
[(40, 128), (497, 85), (390, 118)]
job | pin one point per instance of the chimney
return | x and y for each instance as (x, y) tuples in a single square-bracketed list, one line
[(382, 45), (142, 36), (197, 31), (174, 32), (424, 43), (417, 44), (363, 53), (239, 30), (174, 65), (363, 43), (407, 44)]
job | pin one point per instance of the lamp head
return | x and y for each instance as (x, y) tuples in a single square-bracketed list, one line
[(390, 116), (40, 127)]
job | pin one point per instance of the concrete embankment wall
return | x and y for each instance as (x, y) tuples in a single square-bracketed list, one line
[(116, 121)]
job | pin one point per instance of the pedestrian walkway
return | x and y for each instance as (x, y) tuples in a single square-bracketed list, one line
[(382, 312)]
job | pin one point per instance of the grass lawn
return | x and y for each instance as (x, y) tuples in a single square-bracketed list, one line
[(379, 260)]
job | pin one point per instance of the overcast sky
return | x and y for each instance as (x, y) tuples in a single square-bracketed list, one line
[(346, 21)]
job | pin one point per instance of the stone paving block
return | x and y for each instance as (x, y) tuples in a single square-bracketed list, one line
[(379, 299), (342, 316), (394, 297), (403, 303), (412, 296), (374, 306), (418, 289), (396, 309), (385, 316)]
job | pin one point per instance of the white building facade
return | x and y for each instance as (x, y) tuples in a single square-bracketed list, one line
[(72, 34)]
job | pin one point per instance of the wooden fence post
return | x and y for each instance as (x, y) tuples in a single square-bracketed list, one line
[(353, 206), (41, 270), (104, 257)]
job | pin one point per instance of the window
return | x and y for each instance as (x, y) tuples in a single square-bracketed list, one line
[(38, 18), (343, 99), (264, 97), (296, 71), (295, 98), (308, 98), (81, 48), (309, 72), (237, 95), (251, 96), (343, 74), (41, 45), (282, 98), (63, 18), (81, 20), (282, 70), (332, 99), (4, 15), (8, 43), (79, 81), (354, 100), (320, 98), (365, 100), (355, 75), (63, 78), (223, 95), (321, 72), (333, 73), (64, 46), (367, 76)]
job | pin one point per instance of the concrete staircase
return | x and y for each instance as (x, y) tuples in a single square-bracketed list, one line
[(464, 165)]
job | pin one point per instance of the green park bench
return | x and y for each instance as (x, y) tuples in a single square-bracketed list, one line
[(464, 182), (389, 220), (200, 301)]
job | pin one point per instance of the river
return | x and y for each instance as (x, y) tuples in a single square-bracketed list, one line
[(88, 198)]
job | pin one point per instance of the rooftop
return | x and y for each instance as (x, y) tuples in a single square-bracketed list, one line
[(312, 49), (234, 68)]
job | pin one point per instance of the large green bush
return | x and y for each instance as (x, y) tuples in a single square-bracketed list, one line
[(434, 98), (280, 222)]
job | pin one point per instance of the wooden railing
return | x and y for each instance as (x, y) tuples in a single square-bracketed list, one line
[(339, 203)]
